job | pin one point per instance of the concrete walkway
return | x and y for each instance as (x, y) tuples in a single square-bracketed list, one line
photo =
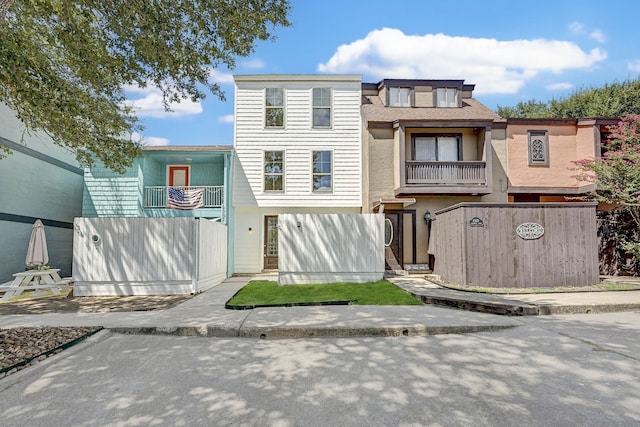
[(205, 315)]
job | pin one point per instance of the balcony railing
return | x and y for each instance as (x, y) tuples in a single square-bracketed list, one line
[(448, 173), (156, 197)]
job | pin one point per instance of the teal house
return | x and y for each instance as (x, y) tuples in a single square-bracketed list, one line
[(165, 182), (40, 180)]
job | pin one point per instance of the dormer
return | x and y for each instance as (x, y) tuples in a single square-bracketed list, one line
[(423, 93)]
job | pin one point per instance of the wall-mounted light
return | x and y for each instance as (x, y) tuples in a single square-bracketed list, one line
[(299, 224), (250, 229), (427, 217), (188, 159)]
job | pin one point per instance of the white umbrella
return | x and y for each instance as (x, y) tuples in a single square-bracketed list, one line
[(37, 254)]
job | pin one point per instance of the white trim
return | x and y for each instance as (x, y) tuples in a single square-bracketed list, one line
[(264, 109), (331, 108), (297, 77), (332, 172), (284, 170)]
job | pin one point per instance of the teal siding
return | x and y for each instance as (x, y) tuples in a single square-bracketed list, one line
[(109, 194), (40, 181), (154, 172)]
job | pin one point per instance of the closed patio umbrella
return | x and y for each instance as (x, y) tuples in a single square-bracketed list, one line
[(37, 254)]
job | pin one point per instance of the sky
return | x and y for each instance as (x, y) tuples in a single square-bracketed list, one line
[(511, 51)]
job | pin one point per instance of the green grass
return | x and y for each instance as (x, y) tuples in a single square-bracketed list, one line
[(373, 293)]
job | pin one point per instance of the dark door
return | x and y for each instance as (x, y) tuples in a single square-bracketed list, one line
[(394, 222), (270, 242)]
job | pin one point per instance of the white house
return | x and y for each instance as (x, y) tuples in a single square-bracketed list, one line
[(298, 150)]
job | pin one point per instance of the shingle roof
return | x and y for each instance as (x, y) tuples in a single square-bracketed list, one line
[(374, 111)]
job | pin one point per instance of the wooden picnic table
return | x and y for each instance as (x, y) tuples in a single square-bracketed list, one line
[(34, 279)]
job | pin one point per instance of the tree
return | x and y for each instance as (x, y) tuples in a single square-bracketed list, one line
[(617, 173), (64, 64), (610, 100)]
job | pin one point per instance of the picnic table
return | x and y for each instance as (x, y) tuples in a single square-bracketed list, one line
[(48, 279)]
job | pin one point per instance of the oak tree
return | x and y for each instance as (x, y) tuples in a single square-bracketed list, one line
[(65, 64)]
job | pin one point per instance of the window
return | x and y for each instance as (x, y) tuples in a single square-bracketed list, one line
[(273, 170), (399, 96), (274, 108), (446, 97), (538, 148), (322, 107), (437, 148), (322, 171)]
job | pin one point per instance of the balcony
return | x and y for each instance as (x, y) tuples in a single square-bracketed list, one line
[(464, 177), (446, 173), (156, 197)]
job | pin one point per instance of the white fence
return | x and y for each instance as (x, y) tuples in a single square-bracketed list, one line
[(147, 256), (326, 248)]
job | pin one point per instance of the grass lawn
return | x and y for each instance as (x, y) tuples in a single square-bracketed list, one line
[(382, 292)]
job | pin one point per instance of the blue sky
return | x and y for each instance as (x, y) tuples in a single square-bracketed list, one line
[(511, 51)]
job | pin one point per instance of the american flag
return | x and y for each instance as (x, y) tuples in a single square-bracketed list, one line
[(185, 199)]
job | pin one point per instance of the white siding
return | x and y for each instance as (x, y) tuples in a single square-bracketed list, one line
[(298, 139)]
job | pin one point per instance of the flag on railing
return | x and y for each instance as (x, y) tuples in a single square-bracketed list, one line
[(185, 198)]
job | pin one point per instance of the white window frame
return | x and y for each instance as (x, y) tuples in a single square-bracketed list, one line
[(265, 174), (400, 98), (446, 97), (321, 107), (274, 107), (330, 174)]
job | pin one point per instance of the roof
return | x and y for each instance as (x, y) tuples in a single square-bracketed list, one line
[(297, 77), (373, 110), (189, 148)]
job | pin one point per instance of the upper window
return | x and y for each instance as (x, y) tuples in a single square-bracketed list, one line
[(322, 107), (274, 108), (446, 97), (399, 96), (538, 148), (273, 170), (322, 171), (445, 148)]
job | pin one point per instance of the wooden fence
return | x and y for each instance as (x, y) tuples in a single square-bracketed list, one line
[(517, 245), (147, 256), (326, 248)]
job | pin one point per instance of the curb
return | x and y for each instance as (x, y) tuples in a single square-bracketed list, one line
[(318, 332)]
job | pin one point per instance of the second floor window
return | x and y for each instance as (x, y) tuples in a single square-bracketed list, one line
[(322, 107), (274, 108), (436, 148), (322, 171), (273, 170), (446, 97), (538, 148), (399, 96)]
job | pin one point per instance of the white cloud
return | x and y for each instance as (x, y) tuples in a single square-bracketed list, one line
[(150, 104), (560, 86), (598, 36), (634, 66), (149, 140), (576, 28), (494, 66), (226, 119), (253, 63), (220, 77)]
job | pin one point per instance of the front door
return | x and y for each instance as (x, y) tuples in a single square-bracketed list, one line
[(394, 225), (270, 242)]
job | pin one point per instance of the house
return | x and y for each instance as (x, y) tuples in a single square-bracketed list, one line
[(161, 227), (297, 141), (541, 154), (428, 144), (43, 181)]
